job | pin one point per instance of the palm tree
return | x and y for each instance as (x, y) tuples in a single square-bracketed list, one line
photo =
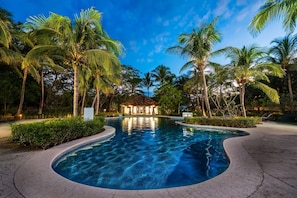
[(248, 69), (147, 82), (283, 52), (162, 74), (34, 63), (135, 85), (83, 43), (84, 79), (275, 9), (194, 86), (104, 77), (197, 46)]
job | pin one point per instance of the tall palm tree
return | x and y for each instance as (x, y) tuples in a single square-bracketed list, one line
[(197, 46), (284, 53), (275, 9), (162, 74), (83, 43), (248, 69), (147, 82)]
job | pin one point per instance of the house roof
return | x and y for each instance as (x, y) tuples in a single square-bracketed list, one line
[(140, 101)]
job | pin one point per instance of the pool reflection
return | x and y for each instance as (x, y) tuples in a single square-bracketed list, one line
[(139, 123)]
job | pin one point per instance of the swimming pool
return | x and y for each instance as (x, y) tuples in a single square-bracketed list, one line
[(148, 153)]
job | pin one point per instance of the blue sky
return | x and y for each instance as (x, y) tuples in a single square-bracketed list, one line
[(147, 28)]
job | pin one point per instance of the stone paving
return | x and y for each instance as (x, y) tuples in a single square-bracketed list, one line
[(263, 164)]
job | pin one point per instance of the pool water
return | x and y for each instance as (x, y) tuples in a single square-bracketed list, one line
[(148, 153)]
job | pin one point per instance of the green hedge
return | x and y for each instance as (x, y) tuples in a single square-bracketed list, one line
[(239, 122), (50, 133)]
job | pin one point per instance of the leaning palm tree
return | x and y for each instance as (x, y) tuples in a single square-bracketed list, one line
[(275, 9), (83, 43), (248, 69), (147, 82), (284, 53), (197, 46)]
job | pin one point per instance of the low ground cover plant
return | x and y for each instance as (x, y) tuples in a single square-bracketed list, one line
[(50, 133), (238, 122)]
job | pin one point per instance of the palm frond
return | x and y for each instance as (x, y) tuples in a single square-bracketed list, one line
[(10, 57), (271, 93), (5, 36), (272, 10)]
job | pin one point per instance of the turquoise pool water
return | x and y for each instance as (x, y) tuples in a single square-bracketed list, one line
[(148, 153)]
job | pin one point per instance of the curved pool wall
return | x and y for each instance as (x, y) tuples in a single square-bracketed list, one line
[(191, 165), (35, 178)]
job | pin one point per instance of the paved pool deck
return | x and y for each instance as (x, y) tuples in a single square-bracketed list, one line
[(263, 164)]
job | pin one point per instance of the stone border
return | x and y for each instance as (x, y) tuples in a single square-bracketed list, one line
[(36, 178)]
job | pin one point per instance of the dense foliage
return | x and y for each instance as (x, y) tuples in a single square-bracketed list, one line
[(40, 56), (50, 133), (238, 122)]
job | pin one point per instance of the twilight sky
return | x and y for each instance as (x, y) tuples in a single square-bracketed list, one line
[(147, 28)]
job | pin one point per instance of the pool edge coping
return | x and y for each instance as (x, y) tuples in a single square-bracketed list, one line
[(36, 178)]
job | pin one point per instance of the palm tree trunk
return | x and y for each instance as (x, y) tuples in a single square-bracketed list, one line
[(203, 106), (75, 91), (83, 102), (42, 94), (94, 101), (198, 102), (242, 93), (5, 106), (22, 93), (205, 93), (291, 93), (110, 102), (97, 101)]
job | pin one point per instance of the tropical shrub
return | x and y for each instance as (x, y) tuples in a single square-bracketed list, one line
[(50, 133), (239, 122)]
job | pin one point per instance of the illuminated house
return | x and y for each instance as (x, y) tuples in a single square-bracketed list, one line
[(140, 105)]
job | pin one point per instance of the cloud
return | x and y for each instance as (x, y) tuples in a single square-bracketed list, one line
[(160, 41), (240, 2), (151, 53), (184, 21), (144, 42), (133, 46), (144, 60), (242, 14), (249, 11), (166, 23), (222, 9), (159, 19)]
